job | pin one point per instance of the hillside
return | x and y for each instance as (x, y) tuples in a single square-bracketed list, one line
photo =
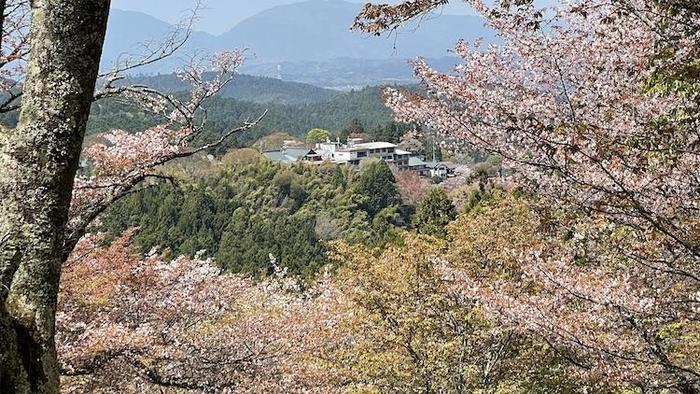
[(296, 119), (131, 34), (246, 88), (346, 74)]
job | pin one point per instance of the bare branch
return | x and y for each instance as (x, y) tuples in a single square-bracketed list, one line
[(171, 44), (122, 186)]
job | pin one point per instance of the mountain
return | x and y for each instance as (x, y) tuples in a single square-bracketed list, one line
[(319, 30), (334, 114), (133, 34), (346, 74), (246, 87), (217, 16), (302, 36)]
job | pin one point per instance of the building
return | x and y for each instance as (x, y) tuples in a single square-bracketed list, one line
[(292, 155), (354, 152), (441, 170), (431, 169), (418, 165)]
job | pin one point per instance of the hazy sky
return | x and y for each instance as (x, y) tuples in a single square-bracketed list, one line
[(221, 15)]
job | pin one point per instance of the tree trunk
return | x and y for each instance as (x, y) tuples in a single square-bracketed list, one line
[(38, 161)]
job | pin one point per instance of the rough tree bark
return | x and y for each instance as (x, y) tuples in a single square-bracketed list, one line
[(38, 161)]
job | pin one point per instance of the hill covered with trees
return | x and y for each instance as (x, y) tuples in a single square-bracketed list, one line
[(336, 113), (243, 212), (139, 262), (244, 87)]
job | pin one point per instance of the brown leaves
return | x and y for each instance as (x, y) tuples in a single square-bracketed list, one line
[(376, 19)]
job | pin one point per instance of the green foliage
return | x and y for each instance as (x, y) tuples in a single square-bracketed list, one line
[(378, 185), (409, 331), (252, 238), (253, 209), (110, 114), (317, 135), (355, 127), (364, 106), (389, 132), (434, 213), (486, 189), (485, 171), (275, 140), (255, 89)]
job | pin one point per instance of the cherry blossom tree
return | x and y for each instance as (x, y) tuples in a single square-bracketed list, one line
[(411, 186), (125, 160), (594, 102), (139, 324), (57, 61)]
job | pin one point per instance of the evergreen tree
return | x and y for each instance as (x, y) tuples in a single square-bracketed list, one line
[(378, 185), (434, 213), (355, 127), (249, 211), (389, 132)]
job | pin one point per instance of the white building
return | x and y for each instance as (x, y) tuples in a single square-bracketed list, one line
[(354, 152)]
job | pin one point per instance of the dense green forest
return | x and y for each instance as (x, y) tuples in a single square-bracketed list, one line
[(244, 87), (364, 106), (293, 108), (243, 213)]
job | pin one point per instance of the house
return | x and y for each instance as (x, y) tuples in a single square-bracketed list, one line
[(431, 169), (441, 170), (402, 158), (417, 164), (327, 149), (292, 155), (354, 152)]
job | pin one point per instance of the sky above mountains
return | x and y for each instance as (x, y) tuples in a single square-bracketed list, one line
[(218, 16), (306, 41)]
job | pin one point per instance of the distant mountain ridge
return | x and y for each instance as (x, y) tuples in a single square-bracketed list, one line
[(254, 89), (319, 30), (309, 31), (220, 15), (347, 74)]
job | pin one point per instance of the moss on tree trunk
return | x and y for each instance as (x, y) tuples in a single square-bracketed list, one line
[(38, 161)]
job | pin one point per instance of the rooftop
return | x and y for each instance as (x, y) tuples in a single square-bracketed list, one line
[(416, 161), (370, 145), (288, 155)]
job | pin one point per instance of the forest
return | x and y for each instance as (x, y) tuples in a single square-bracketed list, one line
[(244, 212), (146, 245), (336, 113)]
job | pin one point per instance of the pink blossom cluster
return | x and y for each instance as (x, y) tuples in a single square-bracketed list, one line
[(572, 101), (118, 162), (133, 323)]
